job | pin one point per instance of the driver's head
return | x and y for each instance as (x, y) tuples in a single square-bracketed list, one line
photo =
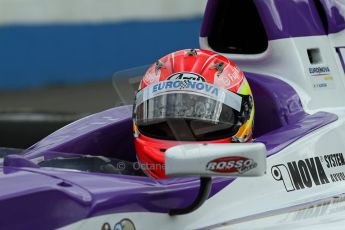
[(190, 96)]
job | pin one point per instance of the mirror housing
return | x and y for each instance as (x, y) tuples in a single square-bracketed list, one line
[(206, 160)]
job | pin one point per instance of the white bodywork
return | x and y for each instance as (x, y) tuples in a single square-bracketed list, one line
[(265, 194), (287, 59), (275, 200)]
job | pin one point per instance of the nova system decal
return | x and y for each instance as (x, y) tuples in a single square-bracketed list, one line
[(310, 172)]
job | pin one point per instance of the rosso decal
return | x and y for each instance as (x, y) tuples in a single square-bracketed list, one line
[(309, 172), (231, 165)]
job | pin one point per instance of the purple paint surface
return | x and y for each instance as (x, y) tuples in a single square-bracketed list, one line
[(107, 133), (281, 18), (210, 12), (287, 119), (335, 13), (293, 18)]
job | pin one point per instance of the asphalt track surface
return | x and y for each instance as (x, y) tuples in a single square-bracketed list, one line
[(26, 116)]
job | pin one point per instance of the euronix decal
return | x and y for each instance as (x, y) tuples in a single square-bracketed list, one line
[(310, 172)]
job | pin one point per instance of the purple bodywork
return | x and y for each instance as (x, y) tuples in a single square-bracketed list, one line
[(292, 18), (335, 13), (281, 18), (38, 198), (109, 133)]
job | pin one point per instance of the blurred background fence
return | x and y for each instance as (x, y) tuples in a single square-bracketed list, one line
[(57, 57), (45, 42)]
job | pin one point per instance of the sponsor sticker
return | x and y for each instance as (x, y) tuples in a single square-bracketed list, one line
[(310, 172), (234, 164), (186, 77), (124, 224), (321, 78), (191, 85), (230, 78), (200, 88), (317, 71)]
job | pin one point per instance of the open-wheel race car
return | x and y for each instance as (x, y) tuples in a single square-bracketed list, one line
[(291, 176)]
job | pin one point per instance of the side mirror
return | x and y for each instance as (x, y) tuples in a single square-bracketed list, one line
[(207, 160), (237, 159)]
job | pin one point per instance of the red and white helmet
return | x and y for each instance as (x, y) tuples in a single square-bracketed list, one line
[(189, 96)]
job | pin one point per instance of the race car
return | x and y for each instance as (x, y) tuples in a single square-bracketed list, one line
[(84, 176)]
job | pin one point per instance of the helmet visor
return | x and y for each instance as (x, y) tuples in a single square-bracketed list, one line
[(187, 111)]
